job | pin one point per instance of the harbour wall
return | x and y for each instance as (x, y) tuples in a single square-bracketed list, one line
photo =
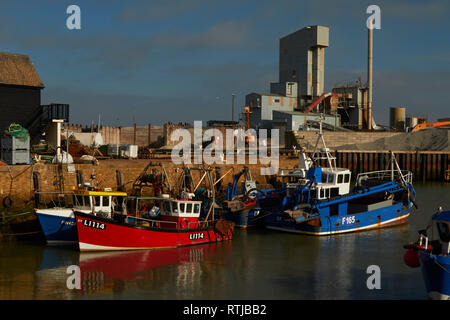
[(16, 182), (140, 135)]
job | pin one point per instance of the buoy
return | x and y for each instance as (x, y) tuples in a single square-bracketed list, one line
[(411, 258)]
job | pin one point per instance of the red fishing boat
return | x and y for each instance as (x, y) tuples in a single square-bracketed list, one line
[(176, 224)]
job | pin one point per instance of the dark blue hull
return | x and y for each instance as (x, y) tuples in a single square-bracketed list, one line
[(245, 219), (254, 216), (58, 229), (436, 274)]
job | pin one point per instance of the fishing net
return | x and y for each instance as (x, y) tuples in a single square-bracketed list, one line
[(16, 130)]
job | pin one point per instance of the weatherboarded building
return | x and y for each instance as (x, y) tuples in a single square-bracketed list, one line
[(20, 90)]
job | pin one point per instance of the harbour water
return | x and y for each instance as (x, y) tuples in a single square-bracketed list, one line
[(257, 264)]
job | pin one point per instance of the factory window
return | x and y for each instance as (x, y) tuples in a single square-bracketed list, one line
[(347, 178), (340, 178)]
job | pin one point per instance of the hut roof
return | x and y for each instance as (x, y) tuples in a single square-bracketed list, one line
[(17, 69)]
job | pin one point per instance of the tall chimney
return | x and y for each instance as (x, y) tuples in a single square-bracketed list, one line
[(232, 106), (369, 76)]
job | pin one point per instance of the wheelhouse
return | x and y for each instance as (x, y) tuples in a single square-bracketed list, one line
[(166, 212), (328, 183), (441, 232), (98, 201), (181, 208)]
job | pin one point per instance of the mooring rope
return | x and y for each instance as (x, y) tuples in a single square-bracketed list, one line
[(12, 216), (443, 268), (19, 234)]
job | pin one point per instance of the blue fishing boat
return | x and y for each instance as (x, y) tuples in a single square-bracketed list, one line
[(58, 223), (323, 203), (432, 254), (248, 206)]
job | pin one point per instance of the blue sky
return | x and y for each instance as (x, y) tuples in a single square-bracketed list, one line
[(158, 61)]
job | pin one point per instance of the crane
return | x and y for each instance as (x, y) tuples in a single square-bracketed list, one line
[(437, 124)]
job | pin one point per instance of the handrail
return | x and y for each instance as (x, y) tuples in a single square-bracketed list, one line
[(54, 192), (426, 241), (380, 174), (152, 221), (190, 225)]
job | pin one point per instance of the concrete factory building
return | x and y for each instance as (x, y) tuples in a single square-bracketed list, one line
[(301, 79), (302, 57), (352, 99)]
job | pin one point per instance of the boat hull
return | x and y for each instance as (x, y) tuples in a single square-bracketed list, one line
[(58, 225), (254, 216), (244, 219), (435, 271), (329, 225), (96, 234)]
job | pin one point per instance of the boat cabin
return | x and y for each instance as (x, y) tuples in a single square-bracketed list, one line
[(181, 213), (441, 232), (329, 183), (167, 212), (97, 201)]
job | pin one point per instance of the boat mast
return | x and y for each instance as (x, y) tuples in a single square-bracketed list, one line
[(317, 154)]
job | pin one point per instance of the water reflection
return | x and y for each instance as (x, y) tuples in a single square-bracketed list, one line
[(114, 273), (256, 264)]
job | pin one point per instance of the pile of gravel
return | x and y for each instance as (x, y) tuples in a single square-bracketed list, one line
[(425, 140)]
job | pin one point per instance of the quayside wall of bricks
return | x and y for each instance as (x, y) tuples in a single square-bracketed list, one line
[(16, 182)]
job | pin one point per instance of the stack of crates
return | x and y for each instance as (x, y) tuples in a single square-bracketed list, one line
[(15, 150)]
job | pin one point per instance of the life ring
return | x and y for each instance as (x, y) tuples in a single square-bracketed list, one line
[(7, 202)]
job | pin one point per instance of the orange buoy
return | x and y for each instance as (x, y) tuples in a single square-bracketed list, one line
[(411, 258)]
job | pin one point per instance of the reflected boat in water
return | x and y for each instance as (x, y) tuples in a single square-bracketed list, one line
[(127, 265), (117, 272)]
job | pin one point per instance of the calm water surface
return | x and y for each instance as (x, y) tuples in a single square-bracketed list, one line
[(256, 264)]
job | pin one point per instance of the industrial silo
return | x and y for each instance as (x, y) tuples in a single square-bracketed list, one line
[(397, 118), (411, 121)]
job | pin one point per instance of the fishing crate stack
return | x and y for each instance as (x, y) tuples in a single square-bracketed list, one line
[(15, 145)]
